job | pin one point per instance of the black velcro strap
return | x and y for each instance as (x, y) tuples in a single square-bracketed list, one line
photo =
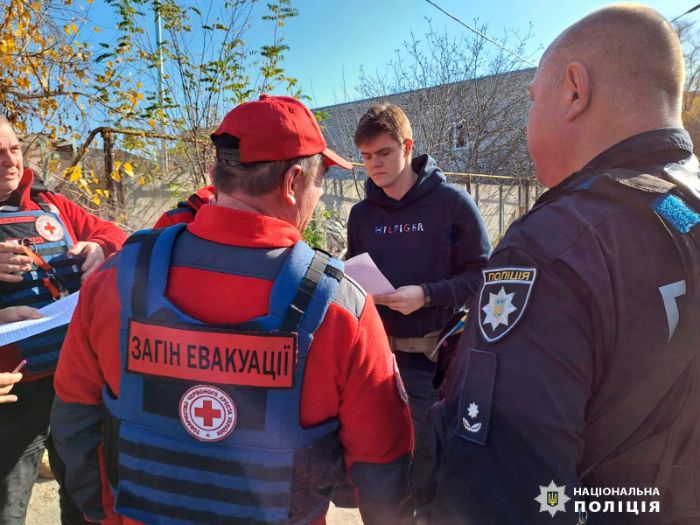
[(331, 270), (128, 500), (334, 272), (305, 292), (213, 465), (110, 449), (193, 488), (143, 261), (35, 195)]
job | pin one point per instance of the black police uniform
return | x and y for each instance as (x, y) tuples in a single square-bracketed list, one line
[(565, 379)]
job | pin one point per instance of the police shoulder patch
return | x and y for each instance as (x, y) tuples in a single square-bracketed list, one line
[(476, 396), (503, 299)]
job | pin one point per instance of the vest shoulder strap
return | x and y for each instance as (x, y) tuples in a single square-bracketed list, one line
[(320, 265), (146, 239), (36, 195)]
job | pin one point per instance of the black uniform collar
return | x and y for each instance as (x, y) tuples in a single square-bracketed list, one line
[(655, 147), (659, 146)]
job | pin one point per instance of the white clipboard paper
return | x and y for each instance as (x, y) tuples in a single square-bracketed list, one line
[(56, 314)]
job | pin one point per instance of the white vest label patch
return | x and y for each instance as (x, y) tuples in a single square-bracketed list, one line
[(208, 413)]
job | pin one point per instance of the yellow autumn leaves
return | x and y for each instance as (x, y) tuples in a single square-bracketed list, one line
[(87, 181)]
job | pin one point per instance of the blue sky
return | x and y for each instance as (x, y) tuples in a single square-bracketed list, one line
[(331, 39)]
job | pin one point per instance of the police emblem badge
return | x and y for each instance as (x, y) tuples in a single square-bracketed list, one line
[(552, 498), (503, 299)]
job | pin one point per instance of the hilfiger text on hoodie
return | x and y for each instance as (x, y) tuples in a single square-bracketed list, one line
[(399, 228)]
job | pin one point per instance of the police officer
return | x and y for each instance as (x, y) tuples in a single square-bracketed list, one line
[(48, 244), (240, 370), (577, 385)]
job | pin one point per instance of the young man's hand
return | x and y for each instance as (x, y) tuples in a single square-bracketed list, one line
[(406, 299)]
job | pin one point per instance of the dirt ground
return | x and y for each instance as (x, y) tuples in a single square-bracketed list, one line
[(43, 508)]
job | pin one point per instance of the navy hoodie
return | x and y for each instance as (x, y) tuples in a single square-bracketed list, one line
[(433, 235)]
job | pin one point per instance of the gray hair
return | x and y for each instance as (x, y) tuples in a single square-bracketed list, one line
[(258, 178)]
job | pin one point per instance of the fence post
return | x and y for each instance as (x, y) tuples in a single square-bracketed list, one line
[(527, 194), (501, 219)]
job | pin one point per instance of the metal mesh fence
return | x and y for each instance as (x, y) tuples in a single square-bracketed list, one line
[(501, 199)]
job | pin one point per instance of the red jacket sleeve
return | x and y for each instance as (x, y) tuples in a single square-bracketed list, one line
[(76, 418), (375, 420), (350, 375)]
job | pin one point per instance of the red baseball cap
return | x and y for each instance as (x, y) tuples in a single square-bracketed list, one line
[(273, 128)]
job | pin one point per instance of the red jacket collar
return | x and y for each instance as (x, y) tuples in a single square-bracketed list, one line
[(240, 228), (22, 195)]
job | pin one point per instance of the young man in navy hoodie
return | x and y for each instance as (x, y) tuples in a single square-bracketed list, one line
[(428, 238)]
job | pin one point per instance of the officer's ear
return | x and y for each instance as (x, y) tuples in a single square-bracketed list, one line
[(577, 85), (292, 185)]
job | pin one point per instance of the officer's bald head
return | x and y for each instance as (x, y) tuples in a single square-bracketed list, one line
[(630, 51), (616, 73)]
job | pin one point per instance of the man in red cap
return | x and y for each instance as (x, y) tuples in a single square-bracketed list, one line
[(242, 374)]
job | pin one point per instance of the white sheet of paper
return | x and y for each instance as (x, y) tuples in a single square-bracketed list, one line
[(55, 314), (365, 272)]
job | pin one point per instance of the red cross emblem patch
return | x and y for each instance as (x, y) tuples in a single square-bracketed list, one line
[(207, 413), (49, 228)]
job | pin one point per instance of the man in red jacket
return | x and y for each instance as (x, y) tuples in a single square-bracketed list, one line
[(48, 245), (240, 370)]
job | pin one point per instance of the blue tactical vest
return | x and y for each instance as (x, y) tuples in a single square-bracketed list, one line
[(44, 233), (268, 470)]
